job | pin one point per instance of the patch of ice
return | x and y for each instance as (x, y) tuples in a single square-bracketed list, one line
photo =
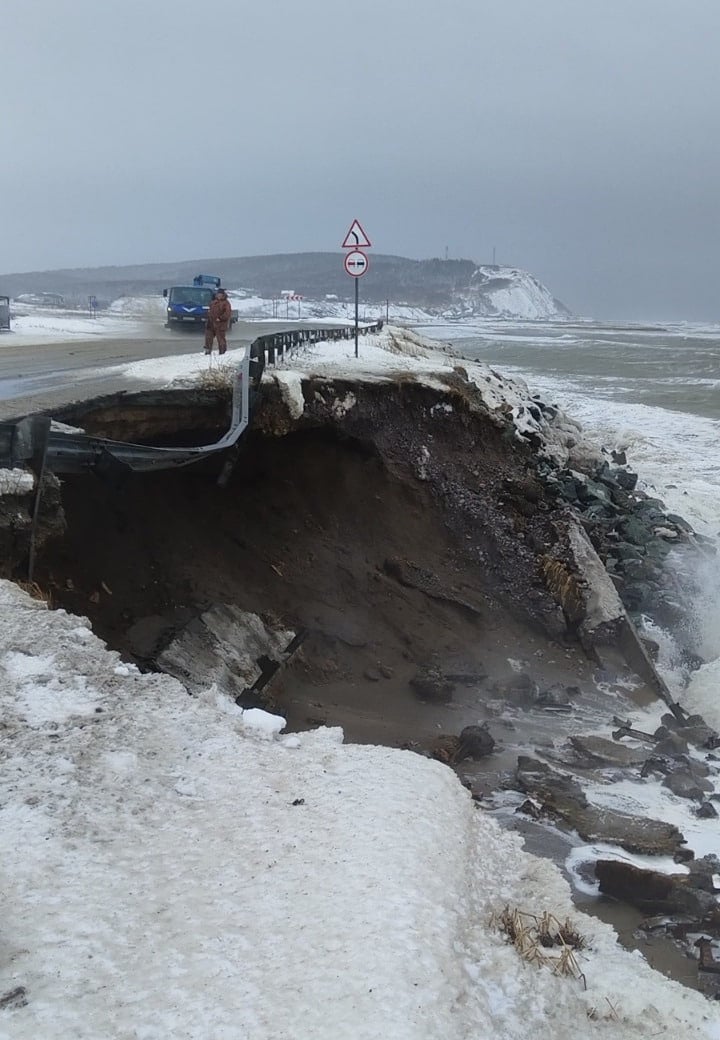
[(584, 856)]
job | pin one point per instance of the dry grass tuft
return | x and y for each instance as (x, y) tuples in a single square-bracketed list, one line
[(608, 1016), (543, 940), (34, 591), (218, 378)]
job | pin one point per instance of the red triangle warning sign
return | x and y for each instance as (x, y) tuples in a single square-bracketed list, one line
[(356, 237)]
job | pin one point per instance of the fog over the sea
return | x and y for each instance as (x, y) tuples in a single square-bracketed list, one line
[(576, 138)]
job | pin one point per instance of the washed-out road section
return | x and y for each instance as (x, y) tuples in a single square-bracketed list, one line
[(50, 373)]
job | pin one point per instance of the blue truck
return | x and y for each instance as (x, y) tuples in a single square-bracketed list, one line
[(188, 304)]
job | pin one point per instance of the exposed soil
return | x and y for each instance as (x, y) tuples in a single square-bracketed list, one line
[(314, 532), (398, 533)]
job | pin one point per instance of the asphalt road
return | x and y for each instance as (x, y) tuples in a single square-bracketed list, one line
[(51, 374)]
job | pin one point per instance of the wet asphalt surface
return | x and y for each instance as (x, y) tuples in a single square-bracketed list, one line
[(52, 374)]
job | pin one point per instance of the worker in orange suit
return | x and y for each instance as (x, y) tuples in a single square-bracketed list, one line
[(218, 322)]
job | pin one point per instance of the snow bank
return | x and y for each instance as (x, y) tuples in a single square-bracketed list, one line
[(173, 869), (16, 482)]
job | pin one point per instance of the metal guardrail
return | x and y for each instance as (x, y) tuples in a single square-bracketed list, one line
[(76, 452), (272, 348), (29, 442)]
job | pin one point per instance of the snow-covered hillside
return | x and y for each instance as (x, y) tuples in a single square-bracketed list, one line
[(506, 292), (494, 292), (316, 284), (491, 292)]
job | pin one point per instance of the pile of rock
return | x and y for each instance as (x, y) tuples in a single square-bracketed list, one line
[(632, 533)]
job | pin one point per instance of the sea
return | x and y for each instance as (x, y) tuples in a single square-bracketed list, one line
[(652, 391)]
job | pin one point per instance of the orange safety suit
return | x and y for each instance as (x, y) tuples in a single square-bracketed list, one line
[(218, 322)]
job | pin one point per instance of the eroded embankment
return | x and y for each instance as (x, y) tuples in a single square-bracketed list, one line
[(404, 527), (407, 533), (397, 537)]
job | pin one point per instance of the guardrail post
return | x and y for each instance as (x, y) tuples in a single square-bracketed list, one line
[(40, 436)]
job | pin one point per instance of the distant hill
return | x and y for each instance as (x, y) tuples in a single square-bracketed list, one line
[(454, 288)]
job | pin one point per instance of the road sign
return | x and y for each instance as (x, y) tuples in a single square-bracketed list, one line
[(356, 237), (355, 263)]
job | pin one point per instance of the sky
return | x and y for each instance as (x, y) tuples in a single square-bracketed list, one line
[(574, 138)]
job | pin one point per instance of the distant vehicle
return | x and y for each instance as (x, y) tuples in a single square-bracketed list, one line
[(5, 313), (188, 304)]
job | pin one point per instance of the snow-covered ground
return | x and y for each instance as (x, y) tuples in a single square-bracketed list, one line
[(174, 867), (37, 324)]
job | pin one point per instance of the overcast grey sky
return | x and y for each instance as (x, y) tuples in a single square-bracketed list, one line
[(578, 137)]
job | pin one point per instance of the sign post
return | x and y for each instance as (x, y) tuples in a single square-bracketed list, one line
[(356, 263)]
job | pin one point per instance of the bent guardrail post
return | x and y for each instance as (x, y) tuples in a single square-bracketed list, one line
[(37, 462)]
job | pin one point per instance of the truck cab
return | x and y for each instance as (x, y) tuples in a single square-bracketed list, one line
[(5, 313), (188, 304)]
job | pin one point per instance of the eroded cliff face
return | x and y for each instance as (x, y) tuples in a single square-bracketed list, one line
[(401, 526), (20, 526), (506, 497), (411, 480), (471, 471), (500, 484)]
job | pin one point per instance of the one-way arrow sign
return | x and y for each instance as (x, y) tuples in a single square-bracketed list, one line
[(356, 237)]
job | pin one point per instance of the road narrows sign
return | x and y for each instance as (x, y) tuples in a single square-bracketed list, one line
[(356, 237), (356, 263)]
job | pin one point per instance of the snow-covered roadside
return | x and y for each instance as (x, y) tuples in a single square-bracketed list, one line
[(385, 355), (170, 870), (44, 324)]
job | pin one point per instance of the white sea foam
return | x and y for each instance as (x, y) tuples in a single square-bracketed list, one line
[(702, 695), (675, 453)]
